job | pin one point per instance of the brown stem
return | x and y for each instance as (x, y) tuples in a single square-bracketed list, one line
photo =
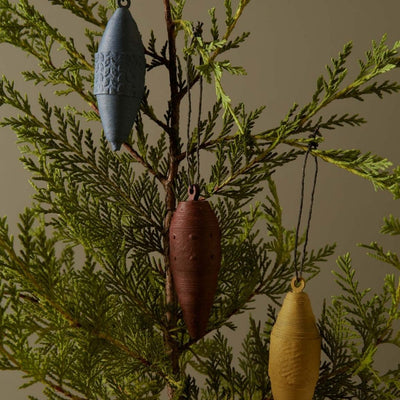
[(170, 199), (149, 112), (157, 57), (140, 160), (253, 163), (206, 145), (94, 108)]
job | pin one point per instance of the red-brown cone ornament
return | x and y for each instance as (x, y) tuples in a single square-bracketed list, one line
[(195, 260)]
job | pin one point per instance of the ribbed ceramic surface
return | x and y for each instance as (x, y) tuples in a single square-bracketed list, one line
[(295, 350), (195, 259), (120, 67)]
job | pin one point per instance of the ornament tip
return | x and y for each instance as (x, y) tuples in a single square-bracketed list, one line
[(115, 146)]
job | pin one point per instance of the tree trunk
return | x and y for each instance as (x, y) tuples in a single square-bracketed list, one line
[(174, 150)]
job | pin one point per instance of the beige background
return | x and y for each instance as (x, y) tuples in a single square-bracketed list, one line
[(291, 42)]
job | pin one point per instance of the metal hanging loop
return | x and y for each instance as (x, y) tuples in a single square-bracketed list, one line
[(297, 285), (121, 5), (194, 192)]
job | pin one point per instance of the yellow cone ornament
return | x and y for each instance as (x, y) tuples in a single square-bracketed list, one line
[(295, 348)]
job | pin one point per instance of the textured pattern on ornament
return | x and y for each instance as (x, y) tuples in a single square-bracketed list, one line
[(294, 364), (115, 73)]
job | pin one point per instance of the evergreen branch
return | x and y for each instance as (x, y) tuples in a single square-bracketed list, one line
[(219, 49), (248, 167), (367, 166), (372, 317), (209, 66), (394, 314), (206, 145), (120, 345), (224, 98), (140, 160), (391, 226), (36, 26), (338, 121), (22, 296), (57, 77), (231, 22), (25, 270), (355, 298), (9, 95), (47, 382), (379, 61), (174, 147), (148, 110), (158, 59), (37, 37), (83, 9), (355, 317), (254, 357), (270, 134), (72, 322), (380, 254)]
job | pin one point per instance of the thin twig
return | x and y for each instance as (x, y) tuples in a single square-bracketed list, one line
[(135, 154), (156, 56), (47, 382), (205, 145), (170, 200), (149, 112), (140, 160), (216, 53), (253, 163)]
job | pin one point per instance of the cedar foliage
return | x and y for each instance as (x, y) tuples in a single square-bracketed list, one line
[(108, 326)]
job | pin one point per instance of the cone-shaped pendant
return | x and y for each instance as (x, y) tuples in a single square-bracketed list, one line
[(295, 348), (119, 76), (195, 259)]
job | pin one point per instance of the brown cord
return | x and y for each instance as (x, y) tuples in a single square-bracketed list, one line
[(312, 146)]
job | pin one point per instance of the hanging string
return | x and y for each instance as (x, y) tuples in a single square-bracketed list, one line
[(313, 145), (189, 120), (197, 32)]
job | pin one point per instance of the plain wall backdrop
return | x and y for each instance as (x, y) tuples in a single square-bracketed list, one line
[(291, 41)]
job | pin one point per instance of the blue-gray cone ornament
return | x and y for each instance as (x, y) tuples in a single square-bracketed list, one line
[(120, 68)]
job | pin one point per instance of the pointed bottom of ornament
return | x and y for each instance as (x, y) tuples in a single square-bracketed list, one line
[(118, 114), (115, 146), (196, 317)]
